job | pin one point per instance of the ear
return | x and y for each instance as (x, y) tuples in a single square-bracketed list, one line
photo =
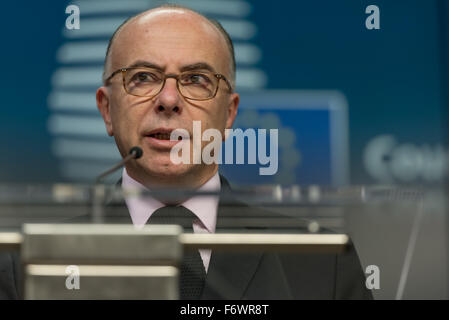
[(104, 106), (233, 106)]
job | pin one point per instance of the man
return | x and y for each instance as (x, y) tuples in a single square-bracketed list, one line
[(164, 69), (195, 57)]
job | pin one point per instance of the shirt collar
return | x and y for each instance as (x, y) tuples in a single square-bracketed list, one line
[(204, 207)]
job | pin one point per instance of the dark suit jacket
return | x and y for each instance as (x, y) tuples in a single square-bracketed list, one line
[(259, 275), (9, 286), (252, 275)]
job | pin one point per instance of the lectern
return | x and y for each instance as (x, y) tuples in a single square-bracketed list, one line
[(78, 261), (62, 258)]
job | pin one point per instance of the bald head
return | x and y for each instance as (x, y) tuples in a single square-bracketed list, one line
[(169, 14)]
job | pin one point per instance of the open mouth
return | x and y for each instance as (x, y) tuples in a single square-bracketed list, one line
[(160, 136), (164, 134)]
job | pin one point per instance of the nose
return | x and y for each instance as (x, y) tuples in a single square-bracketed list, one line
[(168, 101)]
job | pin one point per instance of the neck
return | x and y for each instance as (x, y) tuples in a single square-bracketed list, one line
[(192, 179), (187, 182)]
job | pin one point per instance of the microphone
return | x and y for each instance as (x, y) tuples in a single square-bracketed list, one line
[(134, 153), (98, 191)]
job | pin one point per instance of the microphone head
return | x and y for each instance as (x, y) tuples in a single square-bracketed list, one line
[(137, 151)]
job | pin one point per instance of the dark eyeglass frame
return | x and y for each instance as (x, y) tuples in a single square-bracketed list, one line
[(165, 77)]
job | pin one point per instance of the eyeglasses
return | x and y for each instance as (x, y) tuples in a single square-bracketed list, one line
[(148, 82)]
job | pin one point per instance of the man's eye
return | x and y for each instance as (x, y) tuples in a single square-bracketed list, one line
[(145, 77), (200, 79)]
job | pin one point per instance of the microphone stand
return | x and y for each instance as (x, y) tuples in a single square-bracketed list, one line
[(99, 190)]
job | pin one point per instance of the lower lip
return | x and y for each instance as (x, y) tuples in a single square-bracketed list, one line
[(161, 144)]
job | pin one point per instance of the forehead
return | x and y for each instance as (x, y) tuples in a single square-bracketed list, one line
[(170, 38)]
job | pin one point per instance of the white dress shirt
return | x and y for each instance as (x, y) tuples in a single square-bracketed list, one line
[(204, 207)]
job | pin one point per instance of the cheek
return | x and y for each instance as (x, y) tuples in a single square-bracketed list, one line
[(125, 118), (216, 116), (220, 117)]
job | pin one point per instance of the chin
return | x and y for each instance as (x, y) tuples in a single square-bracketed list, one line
[(168, 173)]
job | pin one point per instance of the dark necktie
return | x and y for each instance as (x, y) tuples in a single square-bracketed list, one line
[(192, 269)]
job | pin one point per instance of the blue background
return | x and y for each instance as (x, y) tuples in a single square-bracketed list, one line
[(394, 78)]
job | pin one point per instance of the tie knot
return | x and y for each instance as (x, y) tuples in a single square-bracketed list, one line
[(173, 215)]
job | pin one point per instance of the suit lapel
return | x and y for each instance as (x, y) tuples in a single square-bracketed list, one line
[(229, 273)]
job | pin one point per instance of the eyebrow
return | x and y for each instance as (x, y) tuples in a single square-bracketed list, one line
[(189, 67), (147, 64), (198, 66)]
